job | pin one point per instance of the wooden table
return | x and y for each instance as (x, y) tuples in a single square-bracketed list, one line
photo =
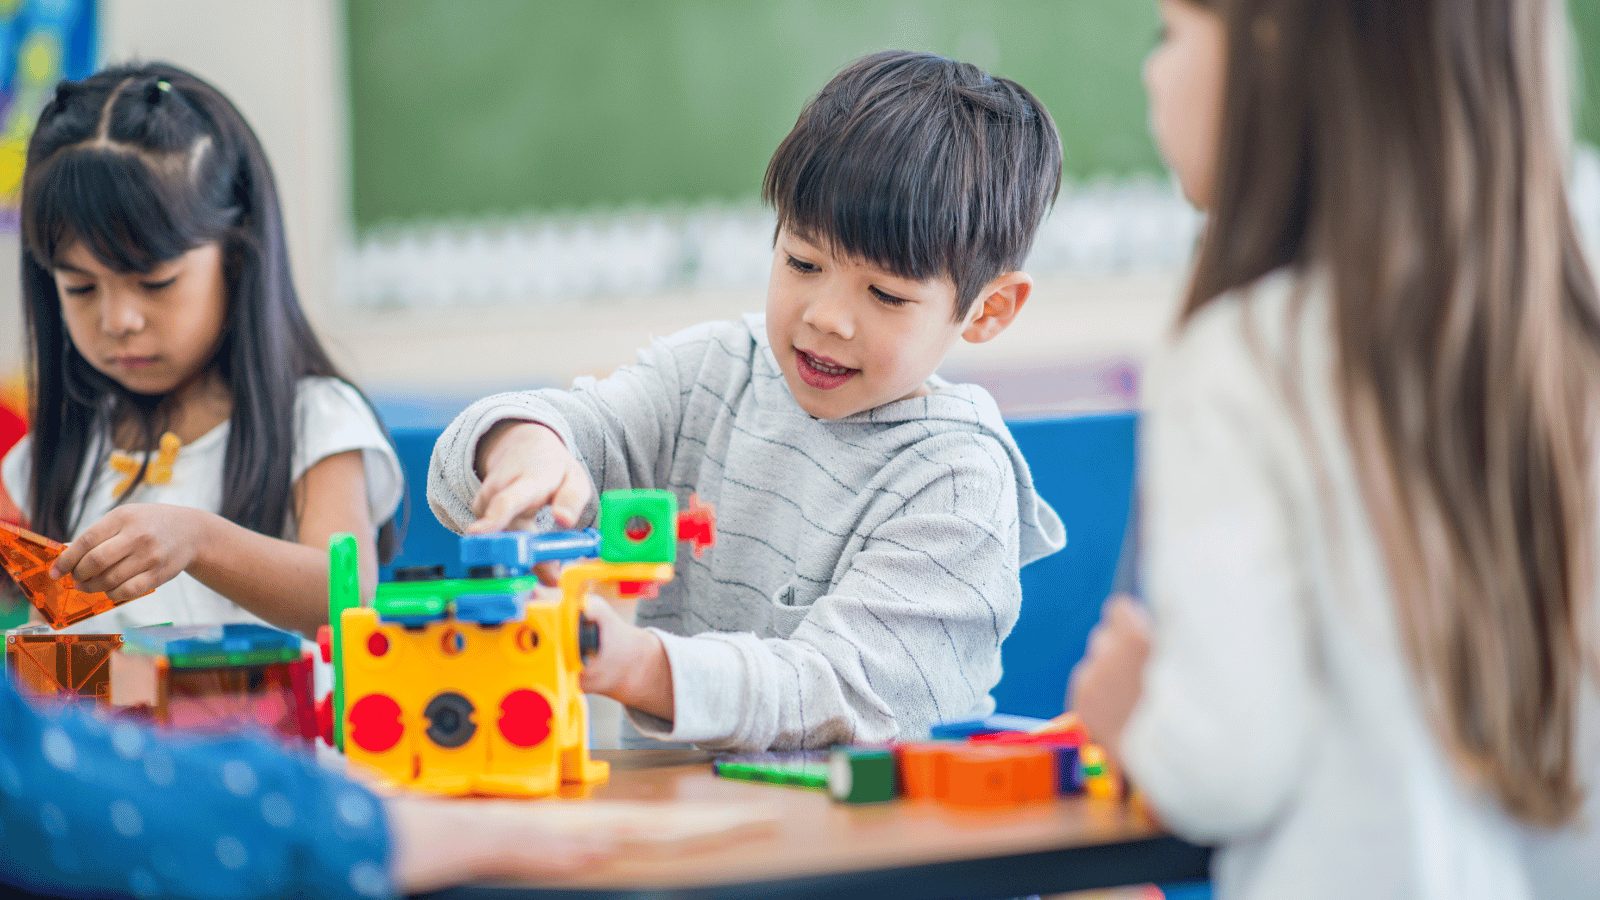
[(903, 849)]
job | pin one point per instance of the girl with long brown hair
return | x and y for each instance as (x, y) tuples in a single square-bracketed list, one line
[(1369, 461)]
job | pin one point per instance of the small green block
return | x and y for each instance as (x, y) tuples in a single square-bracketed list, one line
[(653, 512), (861, 775)]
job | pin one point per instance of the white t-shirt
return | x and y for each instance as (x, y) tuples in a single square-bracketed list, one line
[(330, 418), (1280, 718)]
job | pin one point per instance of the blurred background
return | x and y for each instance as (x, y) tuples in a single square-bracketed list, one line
[(505, 193)]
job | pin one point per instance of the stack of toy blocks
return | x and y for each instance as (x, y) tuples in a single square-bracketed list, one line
[(217, 678), (470, 685)]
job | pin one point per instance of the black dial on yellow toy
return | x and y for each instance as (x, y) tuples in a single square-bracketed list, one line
[(449, 718)]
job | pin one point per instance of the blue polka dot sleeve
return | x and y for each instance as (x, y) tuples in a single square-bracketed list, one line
[(90, 806)]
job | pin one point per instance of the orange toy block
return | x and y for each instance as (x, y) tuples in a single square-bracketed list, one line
[(27, 558), (977, 776), (922, 769), (64, 666)]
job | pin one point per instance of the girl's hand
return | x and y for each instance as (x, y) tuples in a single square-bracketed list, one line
[(438, 843), (1107, 683), (134, 549), (631, 666), (525, 467)]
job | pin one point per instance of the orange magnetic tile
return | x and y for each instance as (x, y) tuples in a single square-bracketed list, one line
[(27, 558), (62, 665)]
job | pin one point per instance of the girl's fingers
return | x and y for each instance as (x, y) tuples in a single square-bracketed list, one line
[(97, 559), (114, 575), (92, 537), (137, 586)]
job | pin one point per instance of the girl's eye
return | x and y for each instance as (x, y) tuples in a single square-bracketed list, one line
[(78, 290), (800, 265), (888, 299), (158, 285)]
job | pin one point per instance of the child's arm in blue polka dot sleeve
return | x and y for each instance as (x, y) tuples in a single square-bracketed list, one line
[(95, 807)]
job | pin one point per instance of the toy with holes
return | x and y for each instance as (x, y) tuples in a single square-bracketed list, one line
[(27, 558), (217, 678), (470, 685)]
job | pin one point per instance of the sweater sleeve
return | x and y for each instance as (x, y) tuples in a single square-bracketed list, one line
[(93, 807), (909, 634), (1224, 728), (623, 428)]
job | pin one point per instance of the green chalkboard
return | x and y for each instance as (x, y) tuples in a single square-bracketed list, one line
[(507, 106), (503, 106)]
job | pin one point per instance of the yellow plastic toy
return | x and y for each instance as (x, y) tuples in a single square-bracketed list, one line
[(470, 686)]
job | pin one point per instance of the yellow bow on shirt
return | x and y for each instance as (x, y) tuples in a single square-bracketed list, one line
[(159, 470)]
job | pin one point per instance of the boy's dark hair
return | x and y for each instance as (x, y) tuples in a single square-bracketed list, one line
[(921, 165), (141, 164)]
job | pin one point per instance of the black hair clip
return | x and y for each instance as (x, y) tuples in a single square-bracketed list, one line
[(155, 90)]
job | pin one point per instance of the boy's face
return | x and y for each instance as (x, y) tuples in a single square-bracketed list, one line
[(850, 336)]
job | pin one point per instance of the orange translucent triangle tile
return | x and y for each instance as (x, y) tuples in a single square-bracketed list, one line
[(27, 558)]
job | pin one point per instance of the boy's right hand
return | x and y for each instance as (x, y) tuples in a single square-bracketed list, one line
[(525, 467)]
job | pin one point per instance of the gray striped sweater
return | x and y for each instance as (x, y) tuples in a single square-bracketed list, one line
[(866, 569)]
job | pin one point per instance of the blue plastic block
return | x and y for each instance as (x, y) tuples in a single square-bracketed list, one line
[(508, 549), (210, 646), (956, 731), (563, 545), (488, 609), (1069, 776)]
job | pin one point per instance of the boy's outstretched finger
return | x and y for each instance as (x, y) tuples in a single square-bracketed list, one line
[(571, 496), (509, 503)]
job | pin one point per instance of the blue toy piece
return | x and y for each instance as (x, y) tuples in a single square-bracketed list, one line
[(213, 646), (960, 731), (488, 609), (514, 553)]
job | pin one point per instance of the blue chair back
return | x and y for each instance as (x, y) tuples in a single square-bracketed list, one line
[(1084, 467)]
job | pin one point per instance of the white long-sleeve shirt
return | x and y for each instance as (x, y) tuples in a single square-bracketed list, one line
[(866, 569), (1280, 719)]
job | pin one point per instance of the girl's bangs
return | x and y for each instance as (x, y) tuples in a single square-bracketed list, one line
[(127, 215)]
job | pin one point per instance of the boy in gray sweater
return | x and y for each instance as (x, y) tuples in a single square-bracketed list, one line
[(872, 517)]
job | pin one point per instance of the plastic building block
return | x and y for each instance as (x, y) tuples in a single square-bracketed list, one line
[(922, 769), (1069, 774), (638, 526), (805, 769), (978, 776), (861, 774), (65, 666), (487, 609), (470, 686), (27, 558), (215, 646), (1099, 777), (1030, 739), (995, 723), (698, 526)]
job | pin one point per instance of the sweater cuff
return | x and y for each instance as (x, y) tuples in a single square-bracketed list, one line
[(708, 692)]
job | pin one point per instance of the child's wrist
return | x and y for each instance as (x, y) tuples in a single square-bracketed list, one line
[(483, 456), (646, 685)]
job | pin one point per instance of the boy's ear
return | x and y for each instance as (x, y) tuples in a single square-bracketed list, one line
[(997, 307)]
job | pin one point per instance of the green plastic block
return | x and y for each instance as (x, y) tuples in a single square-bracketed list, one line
[(860, 775), (344, 592), (639, 526)]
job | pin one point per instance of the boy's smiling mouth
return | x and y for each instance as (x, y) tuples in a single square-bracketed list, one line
[(821, 372)]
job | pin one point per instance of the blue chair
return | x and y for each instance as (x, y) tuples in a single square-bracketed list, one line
[(1084, 467), (426, 541)]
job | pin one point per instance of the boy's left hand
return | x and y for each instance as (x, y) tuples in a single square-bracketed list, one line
[(631, 665), (1107, 683), (133, 550)]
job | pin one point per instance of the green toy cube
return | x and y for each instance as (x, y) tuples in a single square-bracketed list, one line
[(861, 775), (639, 526)]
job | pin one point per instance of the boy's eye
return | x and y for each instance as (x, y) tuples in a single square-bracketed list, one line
[(800, 265), (888, 298), (158, 285)]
